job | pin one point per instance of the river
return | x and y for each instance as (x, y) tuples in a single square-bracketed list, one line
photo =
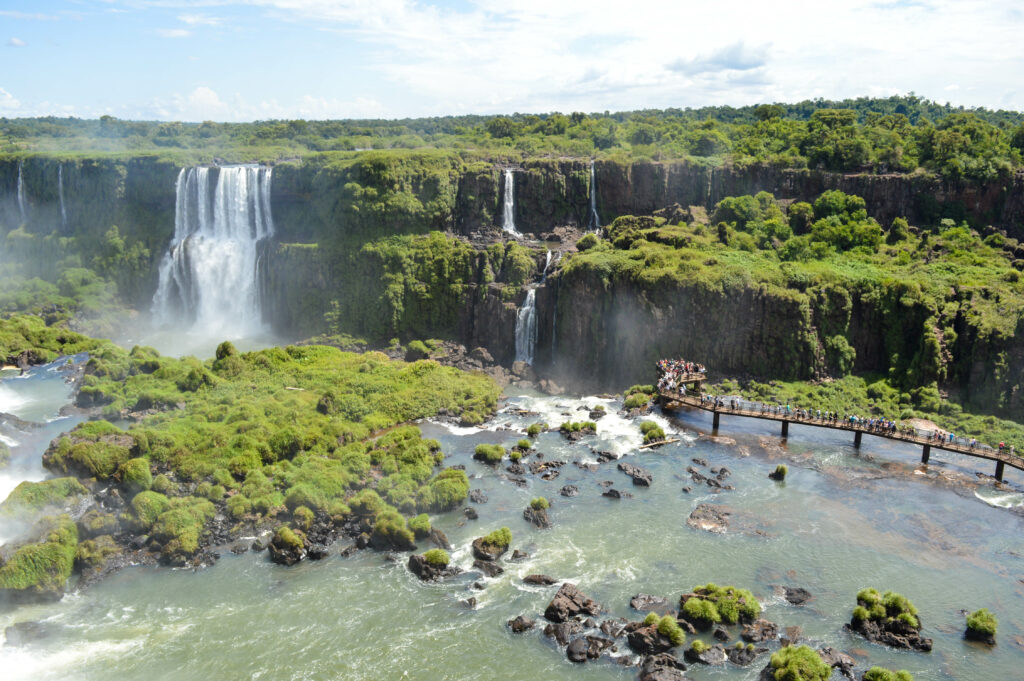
[(844, 519)]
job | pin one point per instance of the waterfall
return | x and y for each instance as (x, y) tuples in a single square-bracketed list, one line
[(593, 223), (209, 275), (21, 194), (60, 195), (508, 217), (526, 328)]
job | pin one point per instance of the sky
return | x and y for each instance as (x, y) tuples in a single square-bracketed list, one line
[(241, 60)]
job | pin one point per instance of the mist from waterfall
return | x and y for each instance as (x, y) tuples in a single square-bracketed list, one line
[(508, 217), (526, 328), (209, 277), (593, 222), (60, 195), (21, 195)]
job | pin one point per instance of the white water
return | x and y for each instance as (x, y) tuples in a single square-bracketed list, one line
[(593, 223), (508, 218), (60, 195), (526, 328), (209, 276), (21, 194)]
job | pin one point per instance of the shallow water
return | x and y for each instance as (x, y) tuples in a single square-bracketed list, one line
[(844, 519)]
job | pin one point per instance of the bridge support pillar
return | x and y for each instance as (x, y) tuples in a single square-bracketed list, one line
[(925, 453), (856, 438), (785, 429), (999, 470), (714, 422)]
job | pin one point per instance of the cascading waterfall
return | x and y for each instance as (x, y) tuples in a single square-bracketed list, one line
[(508, 217), (526, 328), (21, 194), (209, 275), (593, 223), (60, 195)]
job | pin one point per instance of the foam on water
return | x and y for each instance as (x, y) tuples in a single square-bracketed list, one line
[(1000, 498)]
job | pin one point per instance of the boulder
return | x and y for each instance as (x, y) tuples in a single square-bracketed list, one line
[(285, 553), (470, 513), (521, 624), (483, 551), (613, 493), (488, 568), (720, 633), (647, 641), (540, 580), (538, 517), (439, 539), (713, 656), (796, 595), (709, 518), (518, 555), (662, 667), (477, 496), (641, 477), (569, 491), (744, 655), (429, 572), (838, 660), (759, 631), (570, 602), (892, 633), (26, 633), (649, 603), (577, 650), (563, 631)]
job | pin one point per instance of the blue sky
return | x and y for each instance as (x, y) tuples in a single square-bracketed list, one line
[(258, 59)]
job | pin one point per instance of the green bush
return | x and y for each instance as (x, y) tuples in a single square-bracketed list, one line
[(670, 629), (652, 618), (701, 612), (303, 518), (420, 525), (524, 445), (490, 454), (32, 497), (731, 604), (43, 568), (781, 471), (135, 475), (535, 429), (636, 401), (539, 503), (799, 664), (882, 674), (699, 646), (982, 622), (871, 605), (588, 241), (286, 537), (162, 484), (437, 558), (147, 507), (390, 531), (652, 432), (500, 539)]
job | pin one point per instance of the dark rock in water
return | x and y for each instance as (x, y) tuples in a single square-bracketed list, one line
[(793, 634), (317, 551), (538, 517), (641, 477), (662, 667), (470, 513), (647, 641), (569, 491), (285, 553), (713, 656), (605, 483), (980, 637), (540, 580), (517, 480), (723, 473), (484, 551), (686, 490), (612, 628), (563, 631), (26, 633), (468, 602), (744, 655), (362, 541), (439, 539), (477, 496), (696, 475), (597, 414), (837, 660), (419, 566), (613, 493), (605, 457), (759, 631), (477, 586), (577, 650), (239, 547), (570, 602), (488, 568), (700, 462), (778, 474), (518, 555), (597, 645), (521, 624), (721, 633), (591, 467), (895, 633), (647, 603), (348, 551), (516, 468), (709, 518)]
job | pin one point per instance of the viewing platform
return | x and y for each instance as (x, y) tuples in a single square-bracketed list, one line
[(926, 439)]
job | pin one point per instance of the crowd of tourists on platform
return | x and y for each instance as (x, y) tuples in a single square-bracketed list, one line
[(672, 371)]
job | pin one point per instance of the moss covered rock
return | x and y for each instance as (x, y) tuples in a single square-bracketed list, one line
[(39, 571), (34, 497)]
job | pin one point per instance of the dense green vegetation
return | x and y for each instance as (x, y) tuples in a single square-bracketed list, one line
[(652, 432), (899, 133), (877, 607), (437, 558), (801, 663), (499, 540), (539, 503), (882, 674), (711, 604), (41, 569), (491, 454), (982, 623)]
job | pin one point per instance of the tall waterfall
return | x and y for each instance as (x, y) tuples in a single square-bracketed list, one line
[(526, 328), (593, 223), (60, 195), (21, 194), (209, 275), (508, 217)]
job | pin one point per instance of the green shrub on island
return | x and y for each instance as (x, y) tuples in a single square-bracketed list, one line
[(93, 553), (33, 497), (390, 532), (982, 625), (146, 508), (539, 504), (181, 526), (162, 484), (799, 664), (652, 619), (636, 401), (652, 432), (489, 454), (515, 455), (292, 540), (882, 674), (587, 241), (499, 540), (437, 557), (670, 629), (876, 607), (780, 472), (646, 389), (524, 445), (699, 647), (42, 569), (535, 429), (303, 518), (570, 427), (711, 604), (420, 525)]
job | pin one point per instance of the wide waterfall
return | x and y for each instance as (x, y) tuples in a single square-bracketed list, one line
[(526, 328), (21, 195), (593, 222), (508, 217), (60, 195), (209, 277)]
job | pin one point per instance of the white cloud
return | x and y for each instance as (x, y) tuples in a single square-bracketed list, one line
[(174, 32), (16, 42), (27, 16), (199, 20), (8, 103)]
